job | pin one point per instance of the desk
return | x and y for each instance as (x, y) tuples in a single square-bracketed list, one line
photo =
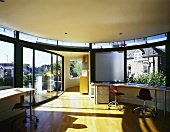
[(4, 94), (155, 88)]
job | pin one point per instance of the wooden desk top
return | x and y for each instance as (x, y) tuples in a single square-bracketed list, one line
[(13, 91)]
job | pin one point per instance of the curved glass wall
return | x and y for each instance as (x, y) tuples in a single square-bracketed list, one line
[(152, 61)]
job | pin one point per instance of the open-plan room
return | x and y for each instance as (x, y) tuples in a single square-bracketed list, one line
[(88, 66)]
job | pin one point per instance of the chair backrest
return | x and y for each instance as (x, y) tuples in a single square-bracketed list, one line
[(145, 94), (113, 89)]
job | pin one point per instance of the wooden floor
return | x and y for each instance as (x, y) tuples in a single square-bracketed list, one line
[(73, 112)]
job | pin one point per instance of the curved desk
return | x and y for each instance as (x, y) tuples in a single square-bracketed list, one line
[(139, 86)]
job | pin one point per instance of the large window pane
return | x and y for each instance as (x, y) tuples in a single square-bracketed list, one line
[(147, 65), (6, 65), (109, 66), (42, 71), (57, 72), (27, 67)]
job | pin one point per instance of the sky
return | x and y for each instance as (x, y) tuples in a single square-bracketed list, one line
[(6, 52), (7, 55)]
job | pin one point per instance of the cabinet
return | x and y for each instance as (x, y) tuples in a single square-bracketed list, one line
[(85, 66), (84, 77), (83, 84), (102, 94)]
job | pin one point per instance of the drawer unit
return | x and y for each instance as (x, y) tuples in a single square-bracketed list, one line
[(102, 94)]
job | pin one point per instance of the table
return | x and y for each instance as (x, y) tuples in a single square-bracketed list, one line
[(155, 88), (16, 91)]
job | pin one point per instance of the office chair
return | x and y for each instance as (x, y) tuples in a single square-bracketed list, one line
[(144, 94), (26, 105), (113, 91)]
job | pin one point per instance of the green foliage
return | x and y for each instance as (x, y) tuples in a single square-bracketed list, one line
[(157, 78), (131, 79), (25, 80), (142, 79), (75, 68), (78, 68), (57, 66)]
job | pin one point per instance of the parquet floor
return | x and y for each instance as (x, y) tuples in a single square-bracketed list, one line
[(73, 112)]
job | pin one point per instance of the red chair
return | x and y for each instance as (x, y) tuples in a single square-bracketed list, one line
[(114, 92)]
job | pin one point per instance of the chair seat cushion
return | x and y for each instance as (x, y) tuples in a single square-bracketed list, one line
[(144, 98)]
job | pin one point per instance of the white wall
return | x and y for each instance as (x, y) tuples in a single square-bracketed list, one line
[(67, 81)]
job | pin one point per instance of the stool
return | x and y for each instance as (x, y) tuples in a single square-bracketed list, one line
[(25, 106), (113, 91), (144, 94)]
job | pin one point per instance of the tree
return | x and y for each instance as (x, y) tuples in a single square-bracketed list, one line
[(75, 68)]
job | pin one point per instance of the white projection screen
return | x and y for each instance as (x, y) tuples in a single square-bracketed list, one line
[(109, 66)]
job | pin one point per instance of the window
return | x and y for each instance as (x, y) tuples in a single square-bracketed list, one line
[(137, 56), (151, 70), (145, 69), (72, 44), (156, 38), (27, 67), (108, 45), (6, 31), (6, 64), (75, 68), (27, 37)]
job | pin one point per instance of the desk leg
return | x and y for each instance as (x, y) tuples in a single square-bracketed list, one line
[(31, 106), (95, 94), (164, 103), (155, 101)]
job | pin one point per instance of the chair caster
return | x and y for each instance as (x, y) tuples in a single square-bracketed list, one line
[(109, 108), (37, 120), (133, 111), (35, 126)]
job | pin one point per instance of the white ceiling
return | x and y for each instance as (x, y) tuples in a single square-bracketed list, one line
[(87, 20)]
